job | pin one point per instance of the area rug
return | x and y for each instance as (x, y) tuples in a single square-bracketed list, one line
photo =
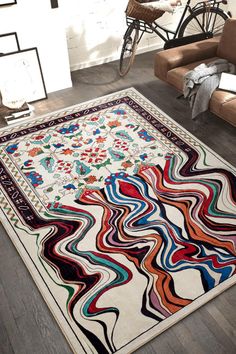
[(125, 220)]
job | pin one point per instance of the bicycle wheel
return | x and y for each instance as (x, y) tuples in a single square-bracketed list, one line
[(128, 50), (204, 20)]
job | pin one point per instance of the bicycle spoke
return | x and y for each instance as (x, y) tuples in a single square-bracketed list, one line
[(193, 27)]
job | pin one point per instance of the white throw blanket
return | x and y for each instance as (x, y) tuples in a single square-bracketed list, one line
[(163, 5), (202, 81)]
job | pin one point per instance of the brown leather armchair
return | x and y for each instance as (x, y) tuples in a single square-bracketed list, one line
[(172, 64)]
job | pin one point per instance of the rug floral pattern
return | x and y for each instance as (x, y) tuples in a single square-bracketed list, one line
[(82, 154), (127, 220)]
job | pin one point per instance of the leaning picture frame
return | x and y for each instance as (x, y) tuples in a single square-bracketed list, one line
[(7, 2), (9, 43), (54, 4), (21, 77)]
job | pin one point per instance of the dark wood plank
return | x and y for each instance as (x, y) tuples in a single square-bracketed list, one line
[(5, 345), (9, 322), (225, 332)]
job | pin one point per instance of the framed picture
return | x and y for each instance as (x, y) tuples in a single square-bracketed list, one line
[(7, 2), (21, 78), (54, 4), (9, 43)]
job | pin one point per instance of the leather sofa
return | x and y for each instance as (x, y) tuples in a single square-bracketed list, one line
[(172, 64)]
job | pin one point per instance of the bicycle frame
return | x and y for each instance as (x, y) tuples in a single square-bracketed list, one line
[(165, 33), (203, 16)]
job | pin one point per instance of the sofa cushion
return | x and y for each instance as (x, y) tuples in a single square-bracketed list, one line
[(168, 59), (175, 76), (223, 104), (227, 44)]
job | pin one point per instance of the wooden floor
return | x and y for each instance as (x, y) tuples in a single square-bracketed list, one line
[(26, 324)]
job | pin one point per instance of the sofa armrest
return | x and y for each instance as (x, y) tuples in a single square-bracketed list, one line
[(166, 60)]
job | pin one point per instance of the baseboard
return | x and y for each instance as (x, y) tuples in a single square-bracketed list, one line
[(116, 56)]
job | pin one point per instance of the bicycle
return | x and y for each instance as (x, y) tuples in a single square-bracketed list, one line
[(204, 20)]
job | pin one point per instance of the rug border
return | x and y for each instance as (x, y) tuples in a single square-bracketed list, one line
[(44, 291)]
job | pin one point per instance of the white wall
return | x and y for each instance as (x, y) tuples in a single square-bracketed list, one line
[(232, 7), (95, 29), (37, 25)]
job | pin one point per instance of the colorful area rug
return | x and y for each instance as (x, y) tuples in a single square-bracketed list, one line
[(124, 219)]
